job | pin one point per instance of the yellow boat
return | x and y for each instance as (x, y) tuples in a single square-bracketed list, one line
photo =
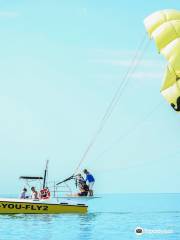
[(47, 201), (29, 206)]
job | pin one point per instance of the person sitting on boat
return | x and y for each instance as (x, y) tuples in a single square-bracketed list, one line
[(34, 194), (90, 181), (84, 190), (81, 184), (83, 187), (23, 194), (80, 181)]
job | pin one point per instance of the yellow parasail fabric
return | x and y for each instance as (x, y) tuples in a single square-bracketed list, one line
[(164, 28)]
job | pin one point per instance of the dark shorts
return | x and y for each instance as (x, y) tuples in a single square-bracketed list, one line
[(82, 194)]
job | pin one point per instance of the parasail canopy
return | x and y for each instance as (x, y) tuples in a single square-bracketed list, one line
[(164, 28)]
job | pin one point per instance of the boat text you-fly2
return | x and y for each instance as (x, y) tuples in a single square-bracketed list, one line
[(46, 201)]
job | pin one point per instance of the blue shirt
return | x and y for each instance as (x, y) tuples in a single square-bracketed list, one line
[(90, 178)]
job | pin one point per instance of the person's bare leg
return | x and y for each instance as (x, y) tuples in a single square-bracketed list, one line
[(72, 195), (91, 193)]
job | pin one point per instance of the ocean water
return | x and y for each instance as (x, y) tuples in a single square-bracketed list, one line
[(113, 217)]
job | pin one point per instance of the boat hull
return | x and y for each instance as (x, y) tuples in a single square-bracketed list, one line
[(29, 207)]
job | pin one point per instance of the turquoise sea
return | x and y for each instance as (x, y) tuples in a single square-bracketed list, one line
[(113, 216)]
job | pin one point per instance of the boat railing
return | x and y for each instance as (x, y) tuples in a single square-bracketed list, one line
[(58, 191)]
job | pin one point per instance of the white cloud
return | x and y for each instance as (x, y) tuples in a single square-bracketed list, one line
[(147, 75), (140, 75), (127, 63), (141, 69), (9, 14), (111, 53), (123, 58)]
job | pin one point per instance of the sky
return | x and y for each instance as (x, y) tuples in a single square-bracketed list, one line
[(61, 63)]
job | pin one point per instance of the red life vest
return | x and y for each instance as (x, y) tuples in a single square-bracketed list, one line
[(45, 193)]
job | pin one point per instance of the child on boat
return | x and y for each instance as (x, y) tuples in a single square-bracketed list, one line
[(23, 194)]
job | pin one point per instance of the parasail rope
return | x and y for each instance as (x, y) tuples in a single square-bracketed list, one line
[(133, 129), (132, 67)]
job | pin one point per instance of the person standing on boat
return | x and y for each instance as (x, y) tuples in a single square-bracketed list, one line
[(23, 194), (34, 194), (90, 181)]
